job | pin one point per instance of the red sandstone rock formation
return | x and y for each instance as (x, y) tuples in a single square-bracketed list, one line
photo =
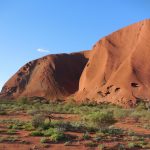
[(116, 70), (52, 77)]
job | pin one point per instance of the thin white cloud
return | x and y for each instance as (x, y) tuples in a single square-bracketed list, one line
[(41, 50)]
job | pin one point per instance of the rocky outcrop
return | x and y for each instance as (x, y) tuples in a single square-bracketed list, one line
[(52, 77), (116, 70)]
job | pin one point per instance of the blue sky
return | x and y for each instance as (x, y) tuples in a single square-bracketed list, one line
[(30, 29)]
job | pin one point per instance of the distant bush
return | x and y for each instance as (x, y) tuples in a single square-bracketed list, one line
[(141, 144), (147, 105), (146, 126), (143, 105), (23, 100), (11, 131), (2, 111), (68, 143), (38, 120), (28, 126), (33, 112), (99, 136), (57, 136), (36, 133), (113, 131), (50, 132), (54, 134), (131, 145), (91, 144), (86, 136), (89, 103), (121, 147), (101, 120), (44, 140), (16, 124), (9, 139), (140, 115), (101, 147), (121, 113), (46, 124)]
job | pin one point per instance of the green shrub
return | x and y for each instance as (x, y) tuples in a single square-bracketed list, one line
[(147, 104), (57, 136), (99, 134), (76, 126), (2, 131), (121, 113), (113, 131), (142, 144), (11, 131), (89, 103), (136, 115), (141, 106), (28, 126), (2, 139), (133, 145), (101, 120), (97, 138), (46, 124), (16, 124), (91, 144), (86, 136), (10, 139), (33, 112), (135, 138), (38, 120), (54, 134), (68, 143), (44, 140), (36, 133), (61, 125), (2, 110), (131, 133), (146, 126), (50, 132), (101, 147), (23, 100), (121, 147)]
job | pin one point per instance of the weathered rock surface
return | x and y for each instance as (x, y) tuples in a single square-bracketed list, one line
[(52, 77), (116, 70)]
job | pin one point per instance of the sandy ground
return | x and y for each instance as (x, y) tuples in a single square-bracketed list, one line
[(77, 144)]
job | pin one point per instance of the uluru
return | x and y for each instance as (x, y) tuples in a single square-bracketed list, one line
[(116, 70)]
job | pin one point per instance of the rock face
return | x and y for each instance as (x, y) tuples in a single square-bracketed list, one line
[(116, 70), (52, 77)]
